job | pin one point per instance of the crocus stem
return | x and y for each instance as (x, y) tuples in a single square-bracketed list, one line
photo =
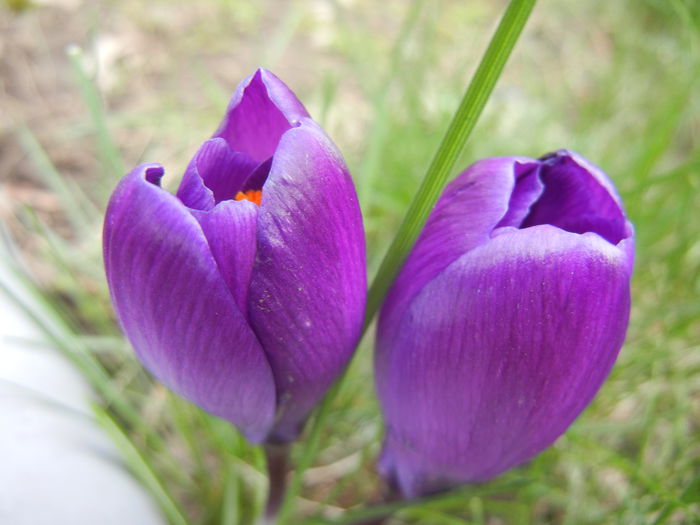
[(277, 469)]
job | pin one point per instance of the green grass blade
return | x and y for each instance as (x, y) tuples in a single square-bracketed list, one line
[(80, 211), (213, 91), (182, 421), (690, 495), (109, 152), (141, 468), (282, 36), (329, 88), (662, 128), (435, 502), (230, 503), (460, 128), (380, 126)]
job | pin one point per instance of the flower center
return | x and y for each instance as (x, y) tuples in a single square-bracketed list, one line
[(250, 195)]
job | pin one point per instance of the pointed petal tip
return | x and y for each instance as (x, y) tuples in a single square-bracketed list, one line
[(264, 84), (261, 110), (577, 197), (153, 173), (147, 174), (571, 156)]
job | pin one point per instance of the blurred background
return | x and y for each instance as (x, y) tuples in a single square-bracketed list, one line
[(91, 88)]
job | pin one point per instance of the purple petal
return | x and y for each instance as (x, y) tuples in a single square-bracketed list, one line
[(469, 209), (578, 198), (230, 229), (498, 355), (216, 173), (627, 245), (528, 189), (176, 309), (308, 290), (257, 178), (261, 110)]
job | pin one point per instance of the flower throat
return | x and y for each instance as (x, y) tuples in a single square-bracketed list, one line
[(249, 195)]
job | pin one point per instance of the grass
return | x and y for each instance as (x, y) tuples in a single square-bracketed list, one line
[(614, 81)]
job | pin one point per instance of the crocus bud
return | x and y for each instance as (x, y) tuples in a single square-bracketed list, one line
[(504, 322), (245, 292)]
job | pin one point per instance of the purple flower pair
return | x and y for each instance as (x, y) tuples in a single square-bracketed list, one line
[(245, 293)]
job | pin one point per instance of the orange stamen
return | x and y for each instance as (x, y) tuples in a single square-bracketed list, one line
[(250, 195)]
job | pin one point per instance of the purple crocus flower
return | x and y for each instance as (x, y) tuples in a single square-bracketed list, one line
[(504, 322), (245, 292)]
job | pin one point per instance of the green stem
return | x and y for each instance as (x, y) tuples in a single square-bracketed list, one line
[(463, 122)]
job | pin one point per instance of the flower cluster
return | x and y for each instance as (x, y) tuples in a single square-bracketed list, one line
[(245, 292)]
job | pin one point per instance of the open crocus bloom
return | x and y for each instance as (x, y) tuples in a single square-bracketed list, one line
[(504, 322), (244, 293)]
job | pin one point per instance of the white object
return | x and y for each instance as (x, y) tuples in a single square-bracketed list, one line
[(57, 467)]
